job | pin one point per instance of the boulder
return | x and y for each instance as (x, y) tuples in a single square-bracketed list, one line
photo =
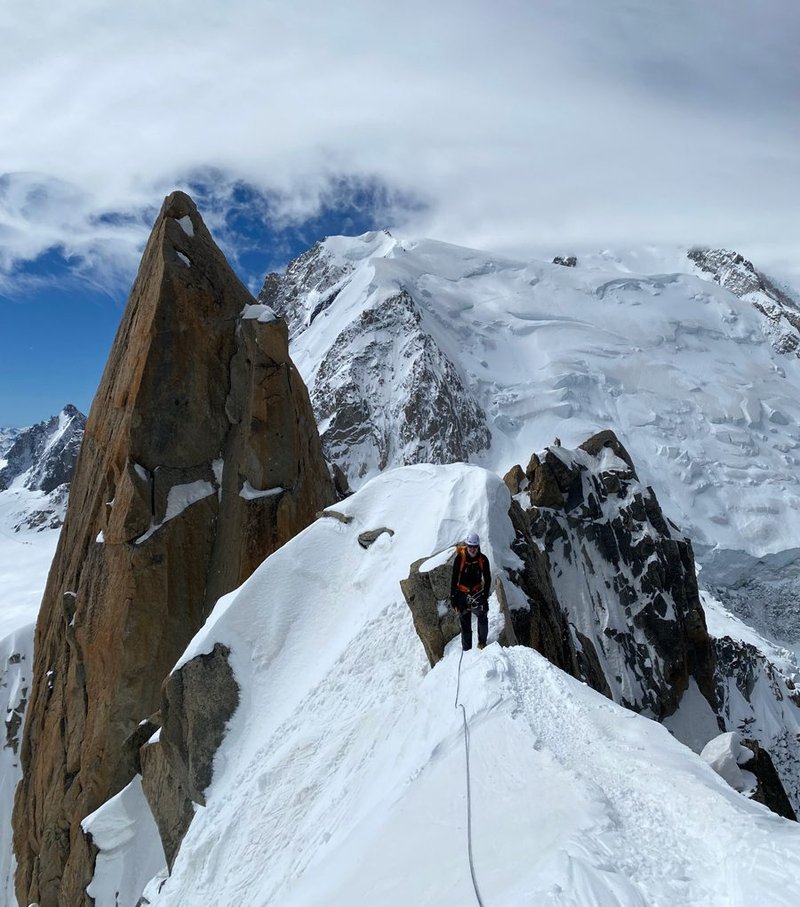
[(197, 701), (200, 457)]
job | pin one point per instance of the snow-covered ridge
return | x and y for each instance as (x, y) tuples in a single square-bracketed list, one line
[(350, 786), (687, 374)]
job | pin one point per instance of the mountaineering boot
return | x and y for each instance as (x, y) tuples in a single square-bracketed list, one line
[(481, 645)]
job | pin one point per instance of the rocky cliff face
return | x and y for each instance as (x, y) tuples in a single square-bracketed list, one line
[(614, 601), (42, 458), (200, 457), (384, 391)]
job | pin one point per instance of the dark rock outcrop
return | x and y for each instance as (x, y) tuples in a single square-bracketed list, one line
[(758, 700), (734, 272), (200, 457), (622, 578), (197, 701), (770, 790), (544, 624)]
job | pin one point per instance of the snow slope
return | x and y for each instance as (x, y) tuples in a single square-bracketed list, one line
[(342, 776), (25, 557), (685, 372)]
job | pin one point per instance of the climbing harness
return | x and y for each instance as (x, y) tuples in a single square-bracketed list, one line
[(460, 705), (461, 553)]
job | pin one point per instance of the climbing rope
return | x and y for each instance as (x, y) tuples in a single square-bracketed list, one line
[(457, 705)]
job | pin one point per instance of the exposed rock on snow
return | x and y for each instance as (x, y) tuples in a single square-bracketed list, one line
[(758, 699), (197, 700), (194, 404), (623, 577), (769, 790), (748, 768), (365, 539)]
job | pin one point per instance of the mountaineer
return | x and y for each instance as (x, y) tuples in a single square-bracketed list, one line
[(469, 589)]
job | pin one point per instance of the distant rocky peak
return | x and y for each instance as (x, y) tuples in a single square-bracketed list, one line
[(42, 457), (734, 272)]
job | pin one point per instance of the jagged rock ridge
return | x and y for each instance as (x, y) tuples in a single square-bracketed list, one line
[(622, 574), (384, 391), (200, 457), (620, 583), (43, 457)]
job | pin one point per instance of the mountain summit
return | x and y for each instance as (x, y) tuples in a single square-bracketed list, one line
[(488, 358)]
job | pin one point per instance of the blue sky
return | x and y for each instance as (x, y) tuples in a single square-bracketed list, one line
[(523, 127)]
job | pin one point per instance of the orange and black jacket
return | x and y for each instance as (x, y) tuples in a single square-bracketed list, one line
[(470, 575)]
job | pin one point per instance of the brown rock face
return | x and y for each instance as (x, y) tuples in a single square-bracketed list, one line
[(200, 458)]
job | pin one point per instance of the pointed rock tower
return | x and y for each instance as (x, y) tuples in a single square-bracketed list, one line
[(201, 457)]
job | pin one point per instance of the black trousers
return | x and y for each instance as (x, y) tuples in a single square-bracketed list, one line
[(482, 612)]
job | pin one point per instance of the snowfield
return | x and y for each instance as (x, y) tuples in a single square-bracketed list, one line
[(342, 779)]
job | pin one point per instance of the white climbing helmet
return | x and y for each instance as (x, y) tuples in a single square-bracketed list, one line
[(472, 540)]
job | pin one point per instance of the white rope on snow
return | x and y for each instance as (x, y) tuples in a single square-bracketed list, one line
[(457, 705)]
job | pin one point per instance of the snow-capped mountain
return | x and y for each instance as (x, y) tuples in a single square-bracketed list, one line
[(304, 750), (36, 470), (693, 379), (385, 392)]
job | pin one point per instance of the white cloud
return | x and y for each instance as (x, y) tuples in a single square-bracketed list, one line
[(523, 124)]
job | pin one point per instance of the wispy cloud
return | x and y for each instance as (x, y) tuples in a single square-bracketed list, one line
[(519, 125)]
